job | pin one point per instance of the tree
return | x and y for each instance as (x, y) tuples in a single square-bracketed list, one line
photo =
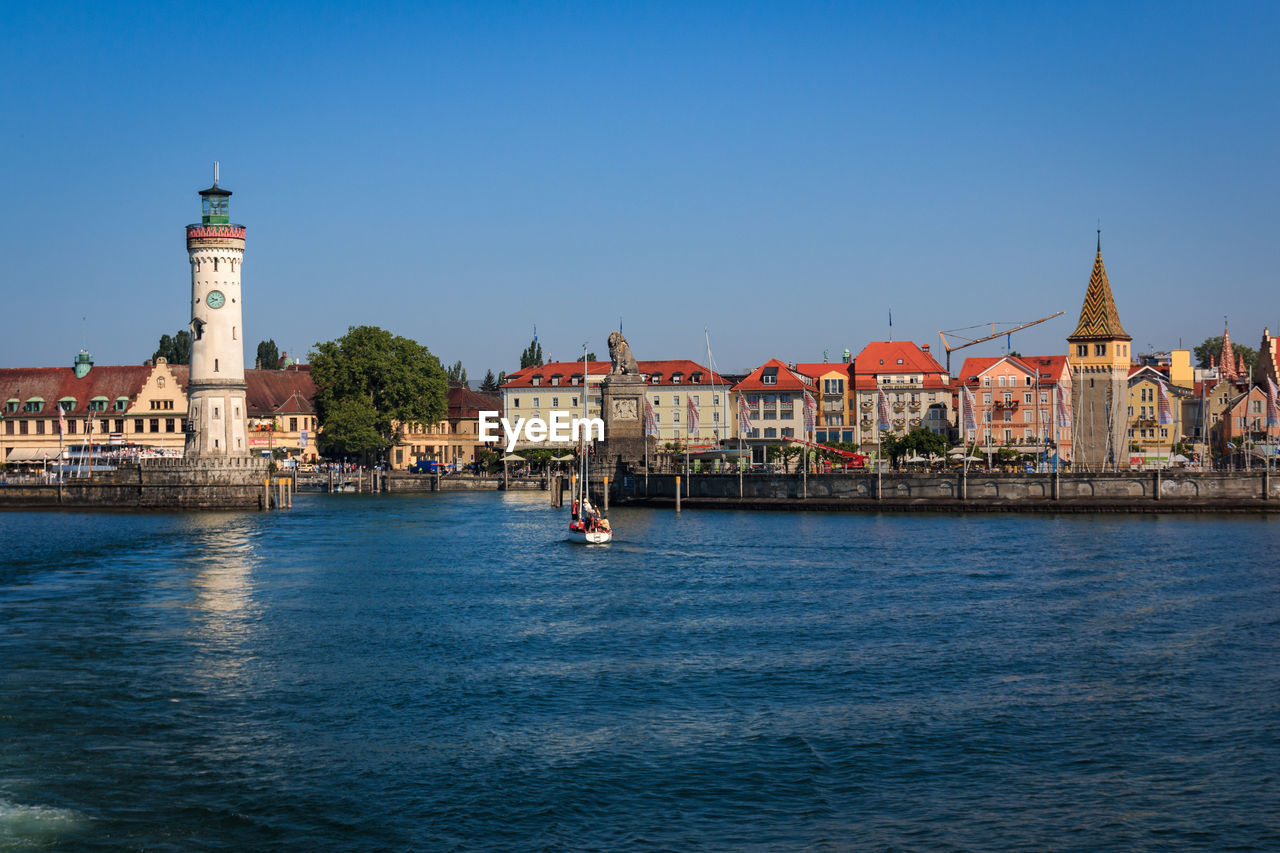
[(784, 452), (456, 374), (369, 384), (919, 442), (591, 356), (490, 383), (175, 349), (268, 355), (532, 356), (1213, 347)]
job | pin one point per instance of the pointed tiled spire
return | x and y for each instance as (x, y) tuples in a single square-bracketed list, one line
[(1227, 359), (1098, 315)]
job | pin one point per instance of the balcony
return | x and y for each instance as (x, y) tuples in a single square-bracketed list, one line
[(1007, 405)]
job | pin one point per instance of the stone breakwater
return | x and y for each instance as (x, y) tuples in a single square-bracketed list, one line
[(1155, 491), (153, 484)]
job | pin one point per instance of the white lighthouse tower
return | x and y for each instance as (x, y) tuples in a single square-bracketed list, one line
[(216, 413)]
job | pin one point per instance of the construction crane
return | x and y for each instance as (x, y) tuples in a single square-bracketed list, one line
[(968, 342)]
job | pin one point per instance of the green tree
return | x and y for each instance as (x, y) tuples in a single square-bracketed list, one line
[(502, 378), (784, 452), (175, 349), (268, 355), (489, 385), (369, 384), (532, 356), (919, 442), (591, 356), (1213, 347), (456, 374)]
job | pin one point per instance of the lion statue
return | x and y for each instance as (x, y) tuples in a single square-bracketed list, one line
[(620, 354)]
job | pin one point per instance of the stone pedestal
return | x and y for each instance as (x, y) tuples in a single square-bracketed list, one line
[(623, 412)]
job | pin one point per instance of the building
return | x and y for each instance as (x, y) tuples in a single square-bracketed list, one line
[(454, 440), (774, 395), (218, 413), (917, 390), (1018, 401), (1099, 354), (143, 406), (1151, 442), (559, 386), (833, 384)]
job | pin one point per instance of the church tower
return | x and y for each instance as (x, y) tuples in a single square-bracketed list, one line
[(1098, 351), (216, 412)]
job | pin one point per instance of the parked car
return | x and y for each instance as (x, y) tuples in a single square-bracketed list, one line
[(424, 466)]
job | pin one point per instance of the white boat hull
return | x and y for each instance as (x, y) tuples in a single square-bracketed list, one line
[(592, 537)]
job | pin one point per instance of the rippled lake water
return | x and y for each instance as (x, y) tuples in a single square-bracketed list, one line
[(444, 672)]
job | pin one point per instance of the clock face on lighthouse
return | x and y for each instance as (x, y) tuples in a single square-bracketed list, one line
[(215, 299)]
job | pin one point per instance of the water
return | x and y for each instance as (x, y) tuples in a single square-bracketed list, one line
[(441, 672)]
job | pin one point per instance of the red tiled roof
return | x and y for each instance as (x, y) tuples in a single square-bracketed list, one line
[(53, 383), (819, 369), (465, 403), (1049, 367), (788, 379), (523, 378), (882, 357)]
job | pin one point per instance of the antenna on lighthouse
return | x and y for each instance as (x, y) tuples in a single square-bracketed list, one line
[(215, 173)]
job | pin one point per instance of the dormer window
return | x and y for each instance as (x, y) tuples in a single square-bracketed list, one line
[(696, 378), (769, 379), (555, 379), (676, 377), (575, 379), (899, 361), (537, 380), (656, 379)]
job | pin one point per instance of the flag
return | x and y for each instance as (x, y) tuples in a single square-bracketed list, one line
[(62, 420), (1273, 417), (810, 412), (744, 416), (1165, 416), (882, 407), (650, 419), (1064, 414), (968, 408), (691, 407)]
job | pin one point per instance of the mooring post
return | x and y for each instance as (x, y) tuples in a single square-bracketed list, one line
[(1057, 486), (964, 485), (1155, 486), (266, 492), (606, 495), (1266, 484), (677, 494), (331, 480)]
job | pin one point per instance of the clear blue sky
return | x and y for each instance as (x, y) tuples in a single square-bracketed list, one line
[(784, 173)]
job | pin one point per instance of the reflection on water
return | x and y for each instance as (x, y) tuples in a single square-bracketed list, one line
[(223, 561)]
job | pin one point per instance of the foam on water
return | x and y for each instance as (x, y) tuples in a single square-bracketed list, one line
[(26, 827)]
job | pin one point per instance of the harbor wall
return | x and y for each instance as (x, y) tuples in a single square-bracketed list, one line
[(1156, 491), (153, 484)]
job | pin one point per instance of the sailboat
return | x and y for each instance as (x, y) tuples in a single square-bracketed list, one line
[(586, 524)]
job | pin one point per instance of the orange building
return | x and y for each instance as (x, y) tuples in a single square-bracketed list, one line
[(1019, 401)]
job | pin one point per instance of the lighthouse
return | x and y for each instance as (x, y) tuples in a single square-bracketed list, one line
[(216, 412)]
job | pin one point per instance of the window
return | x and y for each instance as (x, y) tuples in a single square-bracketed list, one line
[(1099, 349), (122, 404), (555, 379), (675, 400), (986, 398), (215, 365), (8, 427), (770, 432), (159, 381), (71, 427), (1026, 398), (39, 427), (535, 402), (769, 380), (1000, 381), (676, 377), (986, 381), (155, 425), (1082, 350), (656, 379), (11, 407), (293, 424), (573, 401), (33, 406), (515, 402), (168, 424), (537, 380), (715, 399), (555, 402), (675, 416), (22, 427), (137, 425)]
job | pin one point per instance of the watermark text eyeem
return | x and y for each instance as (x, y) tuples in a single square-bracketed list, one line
[(563, 428)]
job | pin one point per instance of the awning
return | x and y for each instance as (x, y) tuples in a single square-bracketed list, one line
[(32, 454)]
